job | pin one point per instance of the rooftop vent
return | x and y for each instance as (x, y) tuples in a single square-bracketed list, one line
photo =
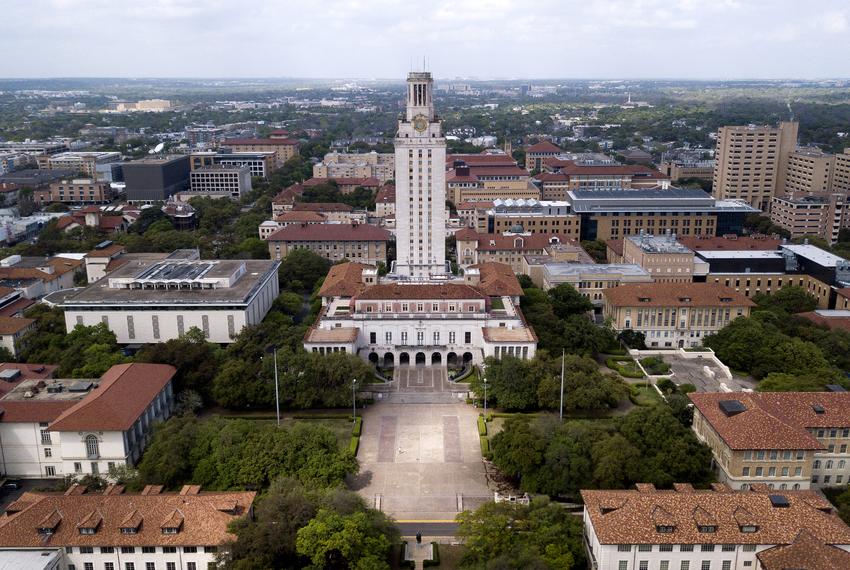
[(9, 374), (732, 407), (80, 386), (104, 244), (818, 409), (779, 501)]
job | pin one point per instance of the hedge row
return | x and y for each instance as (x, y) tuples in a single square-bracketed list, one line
[(614, 363), (402, 563), (485, 447), (358, 426), (354, 445), (482, 426)]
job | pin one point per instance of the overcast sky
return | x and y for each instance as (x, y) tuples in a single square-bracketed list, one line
[(461, 38)]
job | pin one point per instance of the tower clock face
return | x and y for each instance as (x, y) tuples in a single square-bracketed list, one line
[(420, 123)]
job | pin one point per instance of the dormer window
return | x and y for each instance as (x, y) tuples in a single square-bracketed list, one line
[(684, 299), (665, 529), (644, 299), (170, 530), (749, 528), (129, 530), (707, 528), (87, 530), (725, 299)]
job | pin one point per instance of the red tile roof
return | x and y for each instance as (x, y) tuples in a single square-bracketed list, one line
[(682, 295), (807, 552), (497, 280), (844, 292), (288, 195), (30, 411), (14, 325), (552, 177), (500, 242), (204, 522), (257, 142), (473, 160), (386, 194), (542, 147), (124, 391), (616, 245), (16, 308), (330, 232), (301, 216), (66, 221), (110, 251), (636, 170), (482, 205), (832, 322), (343, 280), (632, 517)]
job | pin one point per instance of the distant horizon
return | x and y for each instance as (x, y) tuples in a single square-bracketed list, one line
[(401, 79), (698, 40)]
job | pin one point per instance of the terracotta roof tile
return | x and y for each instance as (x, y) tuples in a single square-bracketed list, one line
[(481, 159), (807, 552), (301, 216), (369, 182), (774, 420), (203, 524), (109, 251), (501, 242), (543, 147), (14, 325), (16, 307), (124, 391), (322, 207), (626, 517), (497, 280), (258, 142), (833, 322), (343, 280), (731, 243), (682, 295)]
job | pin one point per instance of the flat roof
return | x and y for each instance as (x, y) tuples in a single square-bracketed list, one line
[(816, 254), (100, 293), (739, 254), (566, 268), (658, 244)]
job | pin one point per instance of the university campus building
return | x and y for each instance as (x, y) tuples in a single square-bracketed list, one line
[(420, 313)]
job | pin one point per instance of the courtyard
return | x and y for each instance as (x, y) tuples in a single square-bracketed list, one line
[(420, 457)]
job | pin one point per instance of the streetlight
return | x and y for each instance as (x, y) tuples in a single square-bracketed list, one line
[(354, 398), (561, 409), (485, 397), (273, 350)]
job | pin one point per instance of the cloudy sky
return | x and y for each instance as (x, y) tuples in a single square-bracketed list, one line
[(461, 38)]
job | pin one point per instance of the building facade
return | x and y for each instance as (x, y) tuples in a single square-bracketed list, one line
[(75, 191), (530, 216), (823, 215), (283, 148), (91, 164), (260, 164), (156, 179), (233, 181), (356, 165), (673, 317), (663, 257), (356, 242), (111, 530), (55, 427), (751, 162), (158, 300), (784, 440), (809, 170), (717, 529)]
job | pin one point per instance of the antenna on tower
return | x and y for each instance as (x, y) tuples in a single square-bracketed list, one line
[(424, 66)]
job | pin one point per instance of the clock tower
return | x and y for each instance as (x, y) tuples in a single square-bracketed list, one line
[(420, 171)]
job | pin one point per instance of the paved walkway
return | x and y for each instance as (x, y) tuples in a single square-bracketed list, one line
[(420, 459)]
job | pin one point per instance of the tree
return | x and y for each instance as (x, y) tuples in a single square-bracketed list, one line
[(597, 249), (567, 301), (504, 535), (524, 281), (789, 300), (302, 270), (632, 339), (197, 361), (332, 540)]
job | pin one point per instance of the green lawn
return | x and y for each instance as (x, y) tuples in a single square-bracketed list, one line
[(645, 395)]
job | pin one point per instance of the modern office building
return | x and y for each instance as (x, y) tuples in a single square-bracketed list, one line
[(663, 257), (232, 181), (52, 428), (684, 169), (674, 317), (786, 440), (91, 164), (113, 530), (363, 243), (589, 279), (33, 147), (152, 301), (260, 164), (203, 135), (841, 173), (614, 213), (571, 176), (532, 216), (751, 162), (717, 529), (156, 179)]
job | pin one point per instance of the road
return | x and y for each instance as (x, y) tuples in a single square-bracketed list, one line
[(428, 529)]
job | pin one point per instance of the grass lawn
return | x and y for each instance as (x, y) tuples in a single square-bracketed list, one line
[(450, 556), (645, 395)]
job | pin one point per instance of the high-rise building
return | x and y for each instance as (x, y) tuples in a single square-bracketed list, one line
[(420, 158), (751, 162), (809, 170), (841, 174)]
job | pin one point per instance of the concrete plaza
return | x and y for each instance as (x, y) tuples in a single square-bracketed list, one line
[(419, 454)]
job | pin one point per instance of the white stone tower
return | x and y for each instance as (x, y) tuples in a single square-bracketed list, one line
[(420, 172)]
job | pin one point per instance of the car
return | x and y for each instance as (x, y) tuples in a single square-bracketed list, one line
[(11, 485)]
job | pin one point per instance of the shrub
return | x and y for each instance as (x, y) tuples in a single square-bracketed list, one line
[(354, 445), (482, 426), (655, 366), (358, 426), (687, 388), (667, 386), (435, 556), (485, 447), (624, 366), (402, 563)]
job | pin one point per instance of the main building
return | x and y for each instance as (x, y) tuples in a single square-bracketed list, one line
[(420, 313)]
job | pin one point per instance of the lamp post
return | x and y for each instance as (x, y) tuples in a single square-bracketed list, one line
[(354, 399), (561, 409), (485, 396), (273, 350)]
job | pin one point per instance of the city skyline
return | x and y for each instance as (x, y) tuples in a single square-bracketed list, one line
[(604, 39)]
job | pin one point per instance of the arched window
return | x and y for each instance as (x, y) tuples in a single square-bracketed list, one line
[(817, 464), (92, 446), (841, 464), (829, 464), (796, 486)]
